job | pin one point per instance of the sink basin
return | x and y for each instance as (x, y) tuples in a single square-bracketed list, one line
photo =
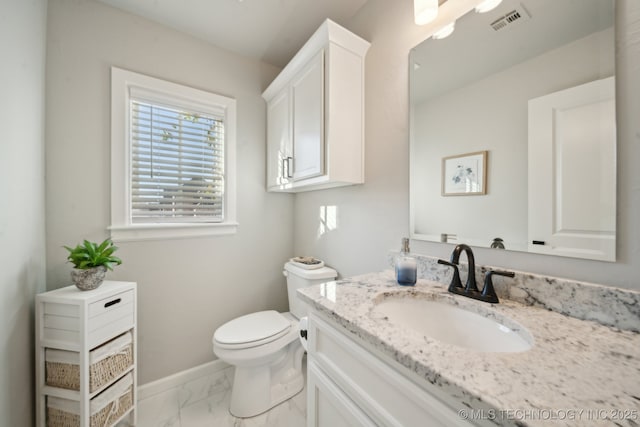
[(450, 324)]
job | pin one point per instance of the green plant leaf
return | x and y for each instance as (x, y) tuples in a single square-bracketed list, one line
[(103, 245), (109, 251), (90, 247)]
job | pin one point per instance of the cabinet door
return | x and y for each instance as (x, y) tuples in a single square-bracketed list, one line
[(308, 120), (327, 405), (375, 387), (279, 150)]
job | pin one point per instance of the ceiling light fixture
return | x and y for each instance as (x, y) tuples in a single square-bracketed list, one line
[(444, 31), (487, 5), (425, 11)]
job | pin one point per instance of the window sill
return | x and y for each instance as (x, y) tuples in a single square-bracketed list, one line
[(141, 232)]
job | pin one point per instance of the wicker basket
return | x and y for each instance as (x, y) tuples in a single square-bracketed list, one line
[(105, 409), (107, 362)]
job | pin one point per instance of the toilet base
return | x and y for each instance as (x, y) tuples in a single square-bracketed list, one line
[(255, 390)]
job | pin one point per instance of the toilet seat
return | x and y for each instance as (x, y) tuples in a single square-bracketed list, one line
[(252, 330)]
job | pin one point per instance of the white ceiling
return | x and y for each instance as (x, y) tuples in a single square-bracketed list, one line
[(269, 30)]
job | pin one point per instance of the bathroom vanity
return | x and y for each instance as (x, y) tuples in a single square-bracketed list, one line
[(366, 367), (348, 385)]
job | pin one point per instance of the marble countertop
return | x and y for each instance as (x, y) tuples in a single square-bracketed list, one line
[(576, 373)]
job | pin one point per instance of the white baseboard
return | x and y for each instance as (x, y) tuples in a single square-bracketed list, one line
[(180, 378)]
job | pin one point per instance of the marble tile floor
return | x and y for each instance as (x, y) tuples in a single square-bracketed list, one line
[(205, 403)]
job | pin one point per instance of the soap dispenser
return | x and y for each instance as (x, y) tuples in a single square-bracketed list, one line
[(406, 266)]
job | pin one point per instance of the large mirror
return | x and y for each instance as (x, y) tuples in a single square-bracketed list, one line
[(512, 127)]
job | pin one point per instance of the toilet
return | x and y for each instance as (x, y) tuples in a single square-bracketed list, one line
[(265, 349)]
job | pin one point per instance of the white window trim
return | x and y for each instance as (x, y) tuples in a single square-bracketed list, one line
[(122, 229)]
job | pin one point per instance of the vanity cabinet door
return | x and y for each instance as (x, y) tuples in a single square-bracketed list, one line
[(307, 91), (327, 405), (373, 385), (279, 149)]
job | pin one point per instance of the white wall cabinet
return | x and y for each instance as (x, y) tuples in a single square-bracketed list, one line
[(349, 385), (86, 356), (315, 114)]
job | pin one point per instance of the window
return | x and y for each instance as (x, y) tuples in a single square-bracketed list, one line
[(177, 164), (173, 160)]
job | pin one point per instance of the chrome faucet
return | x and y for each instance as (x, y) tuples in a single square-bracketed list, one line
[(470, 289)]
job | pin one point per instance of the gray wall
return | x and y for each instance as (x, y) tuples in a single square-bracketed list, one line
[(186, 287), (373, 217), (22, 251)]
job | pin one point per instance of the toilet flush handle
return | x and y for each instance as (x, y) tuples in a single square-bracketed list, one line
[(303, 326)]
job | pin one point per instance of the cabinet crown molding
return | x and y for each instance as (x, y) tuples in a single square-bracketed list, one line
[(328, 32)]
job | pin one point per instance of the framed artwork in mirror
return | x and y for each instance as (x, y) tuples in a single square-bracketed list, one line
[(465, 174)]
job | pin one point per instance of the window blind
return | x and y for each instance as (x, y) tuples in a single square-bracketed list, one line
[(177, 165)]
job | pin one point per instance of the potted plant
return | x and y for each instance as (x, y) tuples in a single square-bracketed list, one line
[(91, 261)]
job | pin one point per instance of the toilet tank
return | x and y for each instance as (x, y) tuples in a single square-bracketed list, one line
[(298, 277)]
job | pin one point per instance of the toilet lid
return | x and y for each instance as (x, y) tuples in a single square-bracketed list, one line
[(253, 327)]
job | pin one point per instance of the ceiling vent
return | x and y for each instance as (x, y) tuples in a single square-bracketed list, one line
[(512, 18)]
